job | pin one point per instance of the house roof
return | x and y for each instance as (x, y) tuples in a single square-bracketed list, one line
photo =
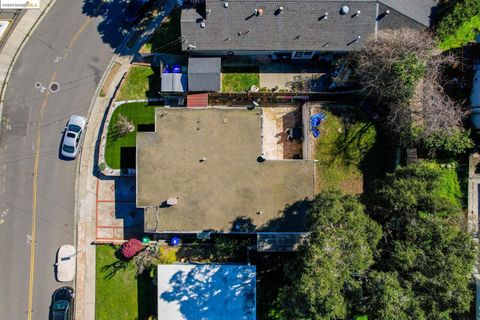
[(208, 160), (207, 291), (173, 82), (300, 26), (204, 74)]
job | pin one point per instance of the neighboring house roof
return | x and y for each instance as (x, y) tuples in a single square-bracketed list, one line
[(204, 74), (206, 291), (173, 82), (300, 26)]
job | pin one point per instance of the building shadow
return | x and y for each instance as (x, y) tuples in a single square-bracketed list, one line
[(146, 296)]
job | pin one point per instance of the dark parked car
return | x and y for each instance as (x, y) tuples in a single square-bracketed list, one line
[(62, 304), (135, 9)]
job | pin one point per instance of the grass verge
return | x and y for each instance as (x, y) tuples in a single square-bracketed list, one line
[(239, 80), (343, 150), (141, 83), (119, 150), (118, 293)]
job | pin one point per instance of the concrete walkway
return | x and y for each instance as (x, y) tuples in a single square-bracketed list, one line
[(87, 179), (17, 40)]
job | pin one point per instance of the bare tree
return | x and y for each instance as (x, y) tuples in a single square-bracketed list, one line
[(408, 98), (123, 126)]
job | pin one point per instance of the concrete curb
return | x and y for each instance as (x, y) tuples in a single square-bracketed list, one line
[(19, 48)]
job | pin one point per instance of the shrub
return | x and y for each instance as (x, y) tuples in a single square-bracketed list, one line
[(131, 248), (102, 166), (448, 144)]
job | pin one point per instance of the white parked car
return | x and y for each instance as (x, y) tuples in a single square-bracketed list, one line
[(66, 263), (73, 135)]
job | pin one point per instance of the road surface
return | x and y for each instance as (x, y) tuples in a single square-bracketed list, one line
[(72, 46)]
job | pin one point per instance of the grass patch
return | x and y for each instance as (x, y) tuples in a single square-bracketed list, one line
[(449, 187), (141, 83), (463, 35), (119, 294), (139, 114), (343, 150), (167, 37), (239, 81)]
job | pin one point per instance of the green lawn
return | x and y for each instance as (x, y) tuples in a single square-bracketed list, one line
[(141, 83), (138, 113), (343, 150), (463, 35), (239, 82), (167, 37), (118, 293)]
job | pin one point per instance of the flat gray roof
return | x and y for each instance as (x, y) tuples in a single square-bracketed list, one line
[(212, 291), (229, 186), (173, 82)]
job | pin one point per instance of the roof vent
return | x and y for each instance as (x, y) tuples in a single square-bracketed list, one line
[(225, 4), (324, 17), (258, 12), (344, 10), (356, 14), (202, 25), (387, 12)]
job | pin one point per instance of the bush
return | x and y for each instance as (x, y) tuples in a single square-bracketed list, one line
[(102, 166), (448, 144), (131, 248)]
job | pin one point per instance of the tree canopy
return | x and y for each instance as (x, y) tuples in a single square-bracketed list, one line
[(327, 273)]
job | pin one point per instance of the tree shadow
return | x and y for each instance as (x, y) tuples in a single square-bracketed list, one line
[(112, 268), (243, 224), (291, 220), (112, 28), (146, 296), (154, 84), (207, 291)]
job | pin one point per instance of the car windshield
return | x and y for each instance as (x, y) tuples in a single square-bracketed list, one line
[(68, 149), (74, 128), (71, 135), (60, 306)]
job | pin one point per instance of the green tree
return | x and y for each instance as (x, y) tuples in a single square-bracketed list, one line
[(326, 277), (421, 187), (427, 259)]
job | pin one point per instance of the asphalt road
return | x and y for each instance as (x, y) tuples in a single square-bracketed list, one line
[(72, 46)]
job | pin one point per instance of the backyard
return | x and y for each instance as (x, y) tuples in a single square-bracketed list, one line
[(167, 37), (118, 293), (239, 79), (345, 152), (142, 82), (120, 149)]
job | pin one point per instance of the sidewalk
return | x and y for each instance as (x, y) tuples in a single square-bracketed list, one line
[(17, 40), (87, 180)]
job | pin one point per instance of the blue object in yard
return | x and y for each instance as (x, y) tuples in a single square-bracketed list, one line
[(166, 69), (175, 241), (315, 121), (176, 68)]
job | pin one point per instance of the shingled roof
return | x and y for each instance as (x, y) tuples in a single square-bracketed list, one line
[(301, 25), (204, 74)]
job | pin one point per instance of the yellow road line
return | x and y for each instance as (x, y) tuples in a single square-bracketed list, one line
[(35, 170)]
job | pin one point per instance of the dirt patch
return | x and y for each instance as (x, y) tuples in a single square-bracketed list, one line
[(108, 80)]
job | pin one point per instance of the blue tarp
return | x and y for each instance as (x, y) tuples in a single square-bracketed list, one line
[(315, 121)]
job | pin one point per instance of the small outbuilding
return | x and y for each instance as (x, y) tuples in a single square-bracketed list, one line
[(204, 74), (173, 83), (207, 291)]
